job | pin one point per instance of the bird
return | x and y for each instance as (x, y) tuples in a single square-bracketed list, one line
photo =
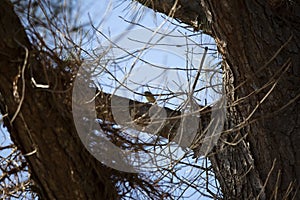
[(150, 97)]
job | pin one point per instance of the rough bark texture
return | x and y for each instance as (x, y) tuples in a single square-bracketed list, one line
[(44, 127), (260, 45), (259, 41)]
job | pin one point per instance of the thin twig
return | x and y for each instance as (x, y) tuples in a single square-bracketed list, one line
[(23, 82), (266, 181)]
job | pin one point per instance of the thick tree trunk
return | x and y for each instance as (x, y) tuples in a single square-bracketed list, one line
[(43, 127), (260, 45), (259, 41)]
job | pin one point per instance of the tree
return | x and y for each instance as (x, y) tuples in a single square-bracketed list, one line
[(257, 156), (258, 41)]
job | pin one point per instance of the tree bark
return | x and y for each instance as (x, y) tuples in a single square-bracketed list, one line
[(259, 41), (260, 44), (43, 128)]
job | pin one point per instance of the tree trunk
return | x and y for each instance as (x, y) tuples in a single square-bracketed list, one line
[(43, 127), (260, 45), (259, 41)]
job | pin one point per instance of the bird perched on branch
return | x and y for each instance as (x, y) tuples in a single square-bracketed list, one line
[(150, 97)]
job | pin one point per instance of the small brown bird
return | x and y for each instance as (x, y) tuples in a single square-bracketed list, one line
[(149, 96)]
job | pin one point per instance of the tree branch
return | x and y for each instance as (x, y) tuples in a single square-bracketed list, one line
[(189, 12), (139, 113)]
